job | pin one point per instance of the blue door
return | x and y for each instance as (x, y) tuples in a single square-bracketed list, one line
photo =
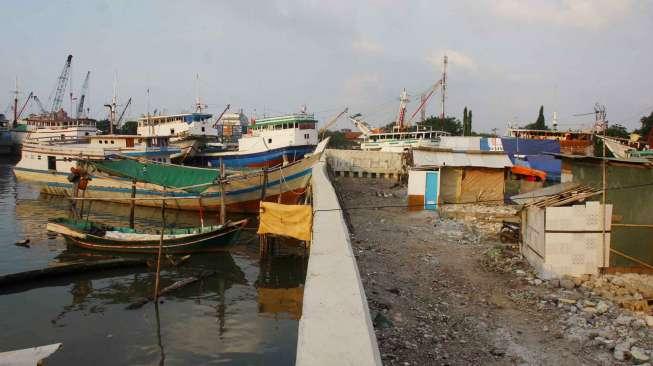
[(431, 194)]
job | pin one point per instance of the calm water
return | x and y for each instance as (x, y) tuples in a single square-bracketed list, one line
[(246, 314)]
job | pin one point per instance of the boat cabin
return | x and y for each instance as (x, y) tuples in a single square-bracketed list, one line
[(177, 124)]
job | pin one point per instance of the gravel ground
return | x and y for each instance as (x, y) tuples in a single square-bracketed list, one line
[(440, 292)]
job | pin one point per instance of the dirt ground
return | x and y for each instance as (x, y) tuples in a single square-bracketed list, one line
[(434, 301)]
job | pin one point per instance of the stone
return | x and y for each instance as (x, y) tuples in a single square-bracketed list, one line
[(519, 272), (554, 283), (602, 307), (638, 324), (624, 320), (639, 355), (590, 309), (381, 321), (567, 283), (566, 301), (649, 320), (537, 281), (621, 351)]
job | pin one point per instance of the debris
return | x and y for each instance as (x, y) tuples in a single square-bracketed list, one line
[(22, 243), (567, 283), (639, 355)]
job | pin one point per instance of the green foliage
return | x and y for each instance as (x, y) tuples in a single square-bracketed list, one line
[(540, 123), (647, 125), (449, 124), (617, 130), (129, 128), (467, 122)]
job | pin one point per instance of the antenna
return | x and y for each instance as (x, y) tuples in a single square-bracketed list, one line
[(444, 84)]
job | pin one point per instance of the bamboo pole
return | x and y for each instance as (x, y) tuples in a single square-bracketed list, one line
[(604, 183), (634, 225), (223, 206), (631, 258), (132, 205), (158, 260)]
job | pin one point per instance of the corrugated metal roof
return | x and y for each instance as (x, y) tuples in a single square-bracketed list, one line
[(449, 158), (460, 143)]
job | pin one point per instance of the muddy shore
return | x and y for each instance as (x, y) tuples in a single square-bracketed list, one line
[(442, 291)]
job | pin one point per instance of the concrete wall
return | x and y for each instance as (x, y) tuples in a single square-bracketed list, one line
[(560, 241), (359, 163), (335, 327)]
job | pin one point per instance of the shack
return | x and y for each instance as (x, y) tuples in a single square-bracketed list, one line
[(471, 176), (629, 188)]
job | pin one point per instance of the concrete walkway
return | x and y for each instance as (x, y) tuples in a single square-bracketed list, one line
[(335, 328)]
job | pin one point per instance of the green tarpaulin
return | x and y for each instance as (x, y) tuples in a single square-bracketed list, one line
[(167, 175)]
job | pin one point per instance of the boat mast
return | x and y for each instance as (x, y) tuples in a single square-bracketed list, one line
[(199, 106), (16, 104), (444, 85)]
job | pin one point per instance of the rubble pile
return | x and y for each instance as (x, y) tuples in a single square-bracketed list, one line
[(487, 218)]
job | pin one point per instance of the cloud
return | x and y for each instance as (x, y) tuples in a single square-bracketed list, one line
[(588, 14), (455, 59), (363, 45)]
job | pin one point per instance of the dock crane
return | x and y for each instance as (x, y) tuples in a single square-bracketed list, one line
[(217, 120), (19, 112), (122, 114), (422, 105), (332, 121), (362, 126), (82, 97), (61, 85), (39, 104)]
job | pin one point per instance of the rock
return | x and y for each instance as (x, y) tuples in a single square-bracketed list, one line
[(639, 355), (519, 272), (554, 283), (566, 301), (649, 320), (381, 322), (567, 283), (621, 351), (590, 309), (537, 281), (638, 324), (602, 307), (624, 320)]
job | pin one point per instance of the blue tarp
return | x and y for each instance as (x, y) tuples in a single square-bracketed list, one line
[(535, 156), (514, 146)]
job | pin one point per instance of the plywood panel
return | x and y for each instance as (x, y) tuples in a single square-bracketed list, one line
[(450, 179), (482, 185)]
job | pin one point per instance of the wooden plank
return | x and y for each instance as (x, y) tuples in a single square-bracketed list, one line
[(61, 229)]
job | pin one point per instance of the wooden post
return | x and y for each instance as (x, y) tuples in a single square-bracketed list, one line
[(603, 198), (158, 260), (132, 205), (265, 184), (223, 205)]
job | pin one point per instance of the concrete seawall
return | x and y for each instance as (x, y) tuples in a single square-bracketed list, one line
[(335, 328), (359, 163)]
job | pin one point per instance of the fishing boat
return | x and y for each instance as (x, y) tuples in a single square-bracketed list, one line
[(94, 236), (268, 142), (185, 188)]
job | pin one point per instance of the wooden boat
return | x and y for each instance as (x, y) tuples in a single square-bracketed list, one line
[(90, 235), (112, 181)]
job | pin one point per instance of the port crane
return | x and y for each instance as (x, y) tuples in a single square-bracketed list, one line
[(60, 88), (217, 120), (82, 97), (39, 104), (362, 126), (333, 120)]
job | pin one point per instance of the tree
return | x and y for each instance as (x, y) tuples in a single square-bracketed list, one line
[(129, 128), (469, 123), (540, 123), (647, 125), (617, 130), (465, 131), (449, 124)]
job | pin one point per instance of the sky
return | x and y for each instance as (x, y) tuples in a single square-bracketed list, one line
[(506, 57)]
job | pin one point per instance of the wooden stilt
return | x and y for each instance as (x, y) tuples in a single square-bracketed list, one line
[(132, 204), (264, 186), (223, 206), (158, 260)]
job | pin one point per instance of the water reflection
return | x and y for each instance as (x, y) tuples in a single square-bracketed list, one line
[(231, 317)]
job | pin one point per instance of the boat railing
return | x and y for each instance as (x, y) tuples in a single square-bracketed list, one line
[(58, 140)]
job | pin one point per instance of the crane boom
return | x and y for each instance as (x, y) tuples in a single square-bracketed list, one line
[(122, 114), (82, 97), (22, 109), (422, 105), (38, 102), (333, 120), (363, 127), (220, 116), (61, 85)]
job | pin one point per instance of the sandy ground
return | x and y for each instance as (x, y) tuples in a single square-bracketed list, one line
[(432, 299)]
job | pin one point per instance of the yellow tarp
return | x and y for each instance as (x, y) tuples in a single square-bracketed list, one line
[(294, 221)]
